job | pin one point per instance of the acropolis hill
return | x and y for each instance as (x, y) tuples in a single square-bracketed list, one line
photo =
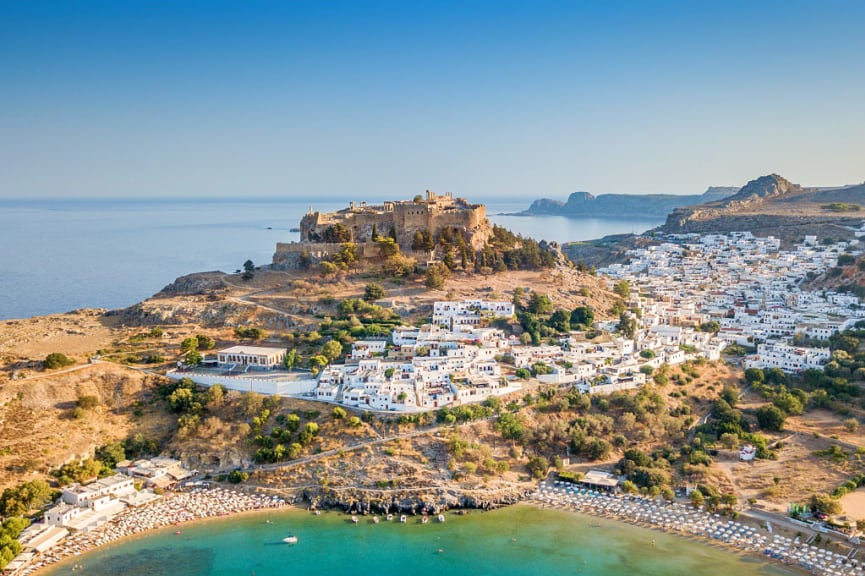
[(322, 234)]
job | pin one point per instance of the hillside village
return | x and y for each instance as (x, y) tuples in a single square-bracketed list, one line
[(750, 288), (689, 297)]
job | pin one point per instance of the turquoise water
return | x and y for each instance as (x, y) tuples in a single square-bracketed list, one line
[(519, 540)]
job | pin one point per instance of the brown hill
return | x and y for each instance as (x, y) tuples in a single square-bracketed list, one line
[(774, 205)]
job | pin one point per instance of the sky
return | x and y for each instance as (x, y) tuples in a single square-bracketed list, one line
[(485, 99)]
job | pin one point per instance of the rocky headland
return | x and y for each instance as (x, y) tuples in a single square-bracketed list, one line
[(774, 205), (583, 204)]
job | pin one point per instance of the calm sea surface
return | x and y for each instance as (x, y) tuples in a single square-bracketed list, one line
[(59, 255), (520, 540)]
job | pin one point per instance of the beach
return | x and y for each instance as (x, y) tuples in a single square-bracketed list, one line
[(706, 527), (173, 509), (179, 509)]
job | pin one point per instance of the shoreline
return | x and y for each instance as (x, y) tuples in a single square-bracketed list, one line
[(174, 509), (682, 520), (179, 509)]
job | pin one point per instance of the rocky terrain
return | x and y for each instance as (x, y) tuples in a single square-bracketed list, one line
[(582, 204), (773, 205)]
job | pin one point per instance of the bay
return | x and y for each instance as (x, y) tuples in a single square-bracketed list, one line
[(59, 255), (518, 540)]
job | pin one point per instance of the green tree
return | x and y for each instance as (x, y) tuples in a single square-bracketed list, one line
[(237, 476), (825, 504), (373, 291), (518, 297), (294, 450), (182, 401), (19, 500), (205, 342), (435, 278), (248, 270), (110, 454), (582, 316), (188, 344), (560, 321), (332, 350), (697, 498), (627, 325), (292, 358), (540, 304), (537, 466), (193, 358), (56, 360), (339, 413), (771, 418), (250, 333), (317, 362), (754, 376), (623, 289), (215, 395), (336, 234)]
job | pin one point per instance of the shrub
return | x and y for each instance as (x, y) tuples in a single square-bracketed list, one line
[(57, 360), (237, 476), (87, 402)]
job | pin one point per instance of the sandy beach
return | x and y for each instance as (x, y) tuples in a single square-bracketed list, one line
[(173, 509), (180, 508), (701, 526)]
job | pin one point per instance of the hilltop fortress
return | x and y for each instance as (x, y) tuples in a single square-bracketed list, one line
[(322, 234)]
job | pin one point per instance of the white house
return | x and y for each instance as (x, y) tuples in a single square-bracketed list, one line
[(251, 357)]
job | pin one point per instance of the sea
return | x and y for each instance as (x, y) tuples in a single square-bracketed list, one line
[(520, 540), (58, 255)]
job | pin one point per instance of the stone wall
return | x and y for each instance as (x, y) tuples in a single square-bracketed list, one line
[(405, 218)]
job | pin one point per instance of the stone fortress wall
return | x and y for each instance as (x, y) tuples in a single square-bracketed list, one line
[(403, 217)]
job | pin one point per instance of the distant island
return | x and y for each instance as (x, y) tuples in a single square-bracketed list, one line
[(581, 204)]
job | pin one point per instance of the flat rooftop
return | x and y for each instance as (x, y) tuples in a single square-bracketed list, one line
[(599, 478), (259, 350)]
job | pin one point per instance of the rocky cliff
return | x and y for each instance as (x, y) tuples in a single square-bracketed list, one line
[(769, 204), (581, 204)]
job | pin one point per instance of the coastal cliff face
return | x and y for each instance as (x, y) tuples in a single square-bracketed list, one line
[(767, 205), (430, 501), (623, 205)]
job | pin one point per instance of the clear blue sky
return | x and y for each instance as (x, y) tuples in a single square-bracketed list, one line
[(366, 98)]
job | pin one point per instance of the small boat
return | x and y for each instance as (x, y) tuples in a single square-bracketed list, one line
[(290, 539), (403, 519), (390, 517), (441, 517)]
